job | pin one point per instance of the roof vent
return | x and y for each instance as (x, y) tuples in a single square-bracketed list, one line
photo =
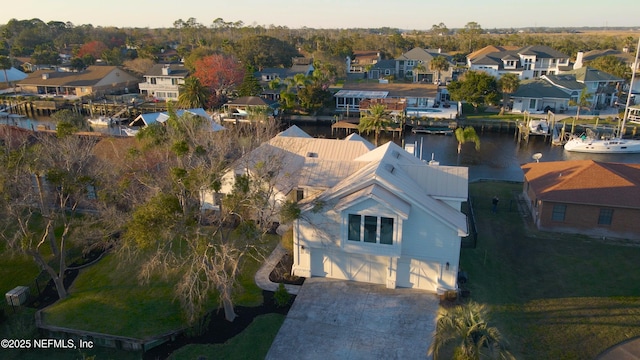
[(390, 168), (312, 155)]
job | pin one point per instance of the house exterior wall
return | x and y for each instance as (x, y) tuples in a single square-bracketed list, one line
[(422, 248), (583, 219)]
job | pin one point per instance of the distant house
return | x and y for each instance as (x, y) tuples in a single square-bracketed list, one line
[(583, 59), (527, 62), (406, 63), (97, 81), (539, 96), (584, 197), (601, 87), (382, 69), (421, 100), (300, 65), (360, 62), (162, 81)]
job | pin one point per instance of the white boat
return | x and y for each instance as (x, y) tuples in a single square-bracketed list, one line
[(539, 127), (101, 121), (129, 131), (616, 145)]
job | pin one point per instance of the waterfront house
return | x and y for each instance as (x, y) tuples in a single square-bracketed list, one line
[(96, 81), (407, 62), (421, 100), (527, 62), (162, 82), (539, 96), (360, 62), (600, 86), (376, 215), (300, 65), (584, 197)]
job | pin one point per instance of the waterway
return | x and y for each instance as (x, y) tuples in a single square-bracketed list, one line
[(499, 157)]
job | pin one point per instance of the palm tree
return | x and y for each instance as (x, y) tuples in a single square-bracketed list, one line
[(376, 119), (466, 325), (582, 103), (508, 84), (5, 64), (192, 93), (467, 134), (417, 70), (439, 63)]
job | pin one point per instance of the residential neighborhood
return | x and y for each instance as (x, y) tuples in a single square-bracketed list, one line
[(201, 191)]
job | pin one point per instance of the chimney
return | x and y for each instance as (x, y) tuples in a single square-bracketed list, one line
[(166, 70), (45, 76), (578, 63)]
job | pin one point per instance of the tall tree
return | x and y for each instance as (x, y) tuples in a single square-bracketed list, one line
[(5, 64), (508, 84), (250, 85), (220, 74), (472, 30), (475, 87), (192, 94), (417, 70), (466, 327), (438, 64), (375, 119), (467, 134), (582, 102)]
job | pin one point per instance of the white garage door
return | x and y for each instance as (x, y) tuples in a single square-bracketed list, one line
[(418, 274), (364, 268)]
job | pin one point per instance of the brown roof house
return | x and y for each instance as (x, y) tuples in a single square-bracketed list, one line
[(98, 80), (584, 197)]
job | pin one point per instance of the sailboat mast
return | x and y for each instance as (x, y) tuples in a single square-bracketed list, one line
[(633, 77)]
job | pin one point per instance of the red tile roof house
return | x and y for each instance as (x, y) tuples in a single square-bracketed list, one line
[(584, 197)]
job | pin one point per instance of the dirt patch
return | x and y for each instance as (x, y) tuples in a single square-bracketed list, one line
[(282, 272)]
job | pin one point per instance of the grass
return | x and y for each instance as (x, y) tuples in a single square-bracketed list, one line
[(552, 296), (16, 270), (107, 298), (253, 343)]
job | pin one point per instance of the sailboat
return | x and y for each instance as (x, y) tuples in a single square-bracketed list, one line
[(616, 145)]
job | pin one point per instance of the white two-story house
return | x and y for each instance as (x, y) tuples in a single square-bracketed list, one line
[(529, 62), (375, 215), (162, 81)]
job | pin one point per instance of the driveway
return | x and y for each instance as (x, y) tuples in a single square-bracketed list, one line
[(347, 320)]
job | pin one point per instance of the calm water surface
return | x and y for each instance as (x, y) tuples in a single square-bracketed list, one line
[(499, 157)]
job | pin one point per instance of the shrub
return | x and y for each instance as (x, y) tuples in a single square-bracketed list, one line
[(281, 296)]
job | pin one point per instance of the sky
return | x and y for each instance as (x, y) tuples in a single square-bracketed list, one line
[(332, 14)]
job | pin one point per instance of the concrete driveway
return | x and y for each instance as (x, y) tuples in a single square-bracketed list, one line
[(346, 320)]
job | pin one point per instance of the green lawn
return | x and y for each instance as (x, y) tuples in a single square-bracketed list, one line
[(253, 343), (16, 270), (552, 296), (107, 298)]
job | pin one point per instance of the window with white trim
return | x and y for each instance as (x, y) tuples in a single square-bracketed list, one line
[(370, 229)]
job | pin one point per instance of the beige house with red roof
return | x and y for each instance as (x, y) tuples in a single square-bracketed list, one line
[(584, 197)]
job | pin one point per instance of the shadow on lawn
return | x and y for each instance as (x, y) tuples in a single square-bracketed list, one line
[(218, 331)]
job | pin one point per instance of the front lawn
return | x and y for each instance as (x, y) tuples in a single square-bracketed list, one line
[(107, 298), (552, 296)]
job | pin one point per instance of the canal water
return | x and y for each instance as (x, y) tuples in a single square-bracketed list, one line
[(499, 157)]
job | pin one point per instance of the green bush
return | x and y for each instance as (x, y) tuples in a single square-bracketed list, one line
[(281, 296)]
